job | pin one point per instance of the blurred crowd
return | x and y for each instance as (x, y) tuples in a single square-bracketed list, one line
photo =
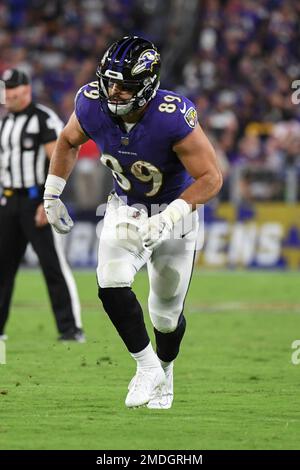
[(241, 77), (242, 60)]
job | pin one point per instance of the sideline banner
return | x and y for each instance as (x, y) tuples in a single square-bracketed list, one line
[(263, 236), (259, 236)]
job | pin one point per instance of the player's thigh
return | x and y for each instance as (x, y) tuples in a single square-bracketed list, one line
[(170, 270), (121, 253), (117, 266)]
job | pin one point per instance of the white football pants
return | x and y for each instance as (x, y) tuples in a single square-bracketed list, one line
[(121, 255)]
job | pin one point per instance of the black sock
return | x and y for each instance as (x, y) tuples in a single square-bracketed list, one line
[(168, 344), (125, 312)]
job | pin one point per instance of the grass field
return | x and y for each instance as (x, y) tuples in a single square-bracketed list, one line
[(235, 385)]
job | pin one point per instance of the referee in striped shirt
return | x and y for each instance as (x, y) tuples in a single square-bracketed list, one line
[(27, 137)]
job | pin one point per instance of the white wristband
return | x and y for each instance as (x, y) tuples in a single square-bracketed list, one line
[(54, 185), (178, 209)]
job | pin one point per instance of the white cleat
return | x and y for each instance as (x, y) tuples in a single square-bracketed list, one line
[(3, 337), (144, 384), (162, 399)]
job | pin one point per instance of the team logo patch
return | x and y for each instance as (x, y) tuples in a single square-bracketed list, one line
[(146, 61), (191, 117)]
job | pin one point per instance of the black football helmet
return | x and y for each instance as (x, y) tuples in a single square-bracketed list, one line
[(133, 62)]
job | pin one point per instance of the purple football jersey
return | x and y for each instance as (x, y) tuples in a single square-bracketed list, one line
[(146, 169)]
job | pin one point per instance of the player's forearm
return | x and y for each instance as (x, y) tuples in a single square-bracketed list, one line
[(61, 165), (64, 158), (203, 189)]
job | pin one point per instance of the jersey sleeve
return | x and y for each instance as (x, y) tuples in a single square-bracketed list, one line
[(176, 115), (87, 108), (184, 121)]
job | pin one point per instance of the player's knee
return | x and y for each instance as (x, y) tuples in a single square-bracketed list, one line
[(112, 299), (115, 274), (165, 323), (164, 313), (121, 305)]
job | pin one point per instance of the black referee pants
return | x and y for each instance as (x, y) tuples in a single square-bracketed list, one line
[(17, 228)]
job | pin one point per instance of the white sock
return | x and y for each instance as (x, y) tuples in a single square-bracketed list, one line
[(146, 358), (166, 365)]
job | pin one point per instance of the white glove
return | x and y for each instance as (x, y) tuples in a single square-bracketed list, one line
[(57, 215), (159, 227), (55, 209)]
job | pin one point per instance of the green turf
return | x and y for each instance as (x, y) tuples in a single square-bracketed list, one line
[(235, 385)]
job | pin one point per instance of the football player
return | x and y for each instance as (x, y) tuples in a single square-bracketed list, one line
[(159, 157)]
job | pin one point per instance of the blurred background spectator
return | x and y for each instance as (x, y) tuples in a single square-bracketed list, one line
[(236, 59)]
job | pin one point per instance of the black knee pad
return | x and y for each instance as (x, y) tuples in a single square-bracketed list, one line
[(125, 312), (168, 344)]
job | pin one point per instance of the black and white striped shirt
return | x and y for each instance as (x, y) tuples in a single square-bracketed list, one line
[(23, 159)]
